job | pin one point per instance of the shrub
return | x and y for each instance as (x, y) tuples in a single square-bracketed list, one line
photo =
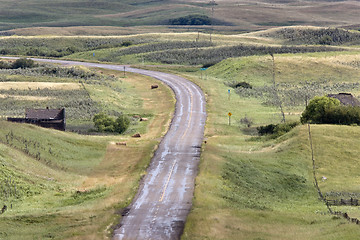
[(105, 123), (267, 129), (23, 63), (326, 110), (276, 130), (209, 64), (246, 121), (235, 84), (5, 65), (126, 43), (122, 123), (316, 111)]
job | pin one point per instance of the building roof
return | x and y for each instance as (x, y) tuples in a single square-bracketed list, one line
[(346, 99), (44, 114)]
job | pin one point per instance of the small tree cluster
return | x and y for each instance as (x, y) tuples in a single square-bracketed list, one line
[(19, 63), (23, 63), (326, 110), (191, 20), (105, 123)]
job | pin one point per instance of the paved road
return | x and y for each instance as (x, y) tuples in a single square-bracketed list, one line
[(164, 199)]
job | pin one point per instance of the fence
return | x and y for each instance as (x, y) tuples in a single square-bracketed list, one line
[(341, 202)]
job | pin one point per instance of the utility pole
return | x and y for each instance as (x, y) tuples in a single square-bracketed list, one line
[(278, 100)]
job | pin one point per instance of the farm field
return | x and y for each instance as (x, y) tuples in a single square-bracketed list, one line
[(248, 186), (61, 184)]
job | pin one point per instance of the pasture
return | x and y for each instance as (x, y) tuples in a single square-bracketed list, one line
[(61, 184)]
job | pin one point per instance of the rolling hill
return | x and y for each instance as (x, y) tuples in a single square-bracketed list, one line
[(248, 186), (154, 15)]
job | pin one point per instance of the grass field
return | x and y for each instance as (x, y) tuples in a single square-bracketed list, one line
[(61, 185), (260, 188), (229, 15)]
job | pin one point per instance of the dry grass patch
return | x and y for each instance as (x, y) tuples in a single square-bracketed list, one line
[(39, 85)]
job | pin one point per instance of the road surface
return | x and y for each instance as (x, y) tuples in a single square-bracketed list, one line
[(164, 200)]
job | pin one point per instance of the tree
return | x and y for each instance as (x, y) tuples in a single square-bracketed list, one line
[(23, 63), (122, 123), (105, 123), (318, 110)]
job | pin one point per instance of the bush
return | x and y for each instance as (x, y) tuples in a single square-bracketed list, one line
[(326, 110), (105, 123), (235, 84), (5, 65), (316, 111), (122, 123), (267, 129), (23, 63), (276, 130), (126, 43), (209, 64), (246, 121)]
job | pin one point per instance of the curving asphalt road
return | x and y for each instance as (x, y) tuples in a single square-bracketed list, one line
[(164, 200)]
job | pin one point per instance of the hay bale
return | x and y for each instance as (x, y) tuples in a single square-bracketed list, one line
[(137, 135)]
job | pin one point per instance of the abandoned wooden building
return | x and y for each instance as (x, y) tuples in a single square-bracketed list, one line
[(48, 118), (346, 99)]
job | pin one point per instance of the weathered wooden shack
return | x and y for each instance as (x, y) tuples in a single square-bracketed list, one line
[(48, 118)]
